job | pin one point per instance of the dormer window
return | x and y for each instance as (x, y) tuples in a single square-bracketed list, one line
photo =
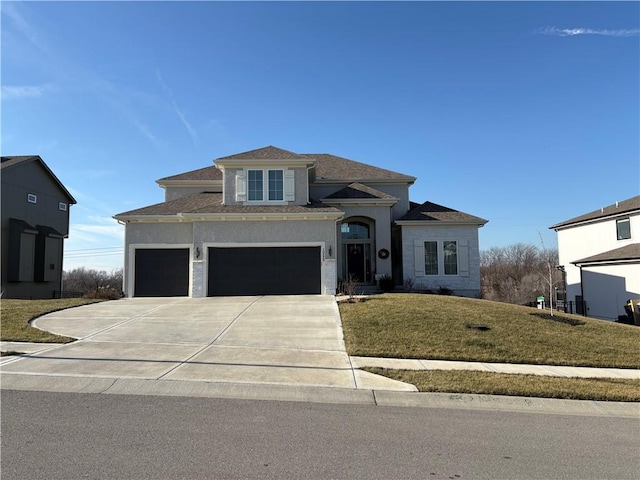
[(258, 190)]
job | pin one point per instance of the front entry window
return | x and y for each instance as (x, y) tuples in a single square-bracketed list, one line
[(356, 250)]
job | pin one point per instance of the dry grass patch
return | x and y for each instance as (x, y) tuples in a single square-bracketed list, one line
[(435, 327), (603, 389), (16, 314)]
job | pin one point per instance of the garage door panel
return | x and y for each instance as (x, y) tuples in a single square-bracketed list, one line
[(264, 271), (161, 272)]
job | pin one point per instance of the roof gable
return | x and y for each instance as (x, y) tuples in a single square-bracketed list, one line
[(266, 153), (619, 208), (358, 190), (19, 160), (432, 212)]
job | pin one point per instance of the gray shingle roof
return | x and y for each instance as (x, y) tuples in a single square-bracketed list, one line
[(628, 252), (432, 212), (358, 190), (206, 173), (205, 203), (626, 206), (266, 153), (331, 167)]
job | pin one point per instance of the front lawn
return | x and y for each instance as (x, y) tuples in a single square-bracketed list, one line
[(16, 314), (435, 327), (446, 381)]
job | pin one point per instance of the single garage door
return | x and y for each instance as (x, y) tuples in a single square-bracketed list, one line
[(264, 271), (161, 272)]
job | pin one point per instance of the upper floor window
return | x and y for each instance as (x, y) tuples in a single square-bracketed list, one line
[(62, 206), (258, 189), (32, 198), (623, 229)]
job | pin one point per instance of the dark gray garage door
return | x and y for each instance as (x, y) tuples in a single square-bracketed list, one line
[(264, 271), (161, 272)]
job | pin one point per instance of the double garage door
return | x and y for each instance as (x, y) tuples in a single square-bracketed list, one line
[(231, 271)]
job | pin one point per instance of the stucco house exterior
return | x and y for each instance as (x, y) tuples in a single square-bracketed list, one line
[(35, 222), (600, 252), (271, 221)]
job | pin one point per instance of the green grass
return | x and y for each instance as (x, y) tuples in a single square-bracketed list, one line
[(603, 389), (434, 327), (16, 314)]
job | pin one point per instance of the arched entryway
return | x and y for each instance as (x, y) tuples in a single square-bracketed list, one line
[(357, 239)]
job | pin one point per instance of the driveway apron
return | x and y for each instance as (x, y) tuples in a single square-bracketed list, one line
[(291, 340)]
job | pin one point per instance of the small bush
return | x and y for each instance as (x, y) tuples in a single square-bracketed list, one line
[(386, 283), (105, 293)]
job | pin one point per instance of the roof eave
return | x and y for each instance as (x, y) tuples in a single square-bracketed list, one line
[(261, 163), (379, 202), (604, 218), (476, 223), (189, 183), (376, 181)]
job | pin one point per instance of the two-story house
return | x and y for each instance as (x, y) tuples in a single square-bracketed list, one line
[(35, 221), (600, 252), (271, 221)]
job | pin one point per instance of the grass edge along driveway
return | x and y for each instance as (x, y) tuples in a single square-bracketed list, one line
[(15, 316)]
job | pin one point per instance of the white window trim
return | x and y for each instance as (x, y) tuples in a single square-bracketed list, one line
[(62, 206), (618, 222), (32, 198), (265, 187)]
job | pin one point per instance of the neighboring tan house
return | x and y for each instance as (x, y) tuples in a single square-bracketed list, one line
[(600, 252), (35, 222), (270, 221)]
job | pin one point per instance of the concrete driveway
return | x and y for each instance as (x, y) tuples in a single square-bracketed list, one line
[(287, 340)]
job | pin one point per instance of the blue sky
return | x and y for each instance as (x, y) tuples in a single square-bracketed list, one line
[(525, 114)]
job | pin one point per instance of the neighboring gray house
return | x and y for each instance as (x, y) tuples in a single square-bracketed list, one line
[(270, 221), (35, 220)]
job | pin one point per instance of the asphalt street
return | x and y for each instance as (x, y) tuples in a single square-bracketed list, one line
[(71, 436)]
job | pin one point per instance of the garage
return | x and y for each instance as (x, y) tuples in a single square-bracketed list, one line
[(161, 272), (264, 271)]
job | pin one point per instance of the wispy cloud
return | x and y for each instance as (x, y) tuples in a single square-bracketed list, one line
[(10, 92), (183, 119), (572, 32)]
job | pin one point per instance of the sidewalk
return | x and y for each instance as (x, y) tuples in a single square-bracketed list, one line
[(517, 368), (416, 364)]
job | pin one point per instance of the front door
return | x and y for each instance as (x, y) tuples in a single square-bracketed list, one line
[(358, 261)]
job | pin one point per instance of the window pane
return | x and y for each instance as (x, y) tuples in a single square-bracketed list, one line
[(354, 231), (255, 185), (276, 185), (431, 258), (623, 228), (450, 258)]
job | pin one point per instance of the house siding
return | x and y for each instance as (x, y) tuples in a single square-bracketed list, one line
[(17, 182), (468, 286), (582, 241), (173, 193), (300, 181)]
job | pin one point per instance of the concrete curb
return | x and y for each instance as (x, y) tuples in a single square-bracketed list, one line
[(381, 398)]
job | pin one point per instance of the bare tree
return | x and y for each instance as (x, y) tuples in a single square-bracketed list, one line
[(516, 273), (87, 281)]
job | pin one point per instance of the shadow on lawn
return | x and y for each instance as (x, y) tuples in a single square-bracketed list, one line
[(569, 321)]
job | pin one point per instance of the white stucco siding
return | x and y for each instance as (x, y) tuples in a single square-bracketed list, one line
[(462, 284), (607, 289)]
